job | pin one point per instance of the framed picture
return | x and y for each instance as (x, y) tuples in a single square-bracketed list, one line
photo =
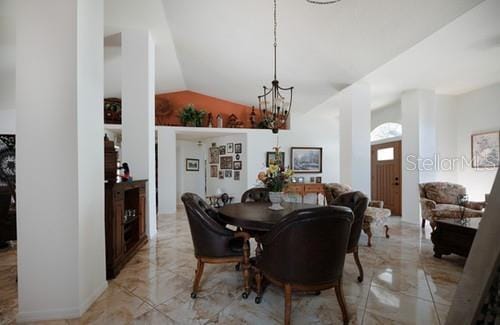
[(236, 175), (271, 157), (237, 157), (222, 150), (228, 173), (486, 150), (229, 148), (192, 165), (213, 171), (237, 165), (221, 174), (307, 159), (318, 179), (213, 155), (226, 162), (238, 148)]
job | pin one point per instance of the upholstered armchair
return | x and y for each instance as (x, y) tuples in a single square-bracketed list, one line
[(358, 203), (309, 265), (374, 213), (439, 200), (213, 243)]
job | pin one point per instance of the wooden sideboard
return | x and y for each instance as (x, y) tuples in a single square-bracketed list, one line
[(302, 189), (125, 223)]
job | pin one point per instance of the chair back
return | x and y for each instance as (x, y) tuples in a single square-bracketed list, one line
[(209, 236), (357, 202), (442, 192), (256, 194), (308, 247), (5, 202)]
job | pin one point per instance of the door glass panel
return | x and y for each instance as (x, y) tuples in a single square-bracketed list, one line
[(385, 154)]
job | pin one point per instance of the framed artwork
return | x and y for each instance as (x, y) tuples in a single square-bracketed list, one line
[(213, 171), (271, 157), (238, 148), (226, 162), (307, 159), (213, 155), (229, 148), (228, 173), (192, 165), (318, 179), (221, 174), (236, 175), (222, 150), (237, 165), (7, 160), (485, 149)]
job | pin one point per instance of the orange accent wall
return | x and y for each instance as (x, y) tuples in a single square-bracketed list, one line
[(177, 101)]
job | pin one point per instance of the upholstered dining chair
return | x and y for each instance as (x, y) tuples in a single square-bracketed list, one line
[(213, 243), (256, 194), (358, 203), (312, 264)]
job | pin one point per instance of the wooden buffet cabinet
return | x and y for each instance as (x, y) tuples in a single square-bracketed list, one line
[(302, 189), (125, 216)]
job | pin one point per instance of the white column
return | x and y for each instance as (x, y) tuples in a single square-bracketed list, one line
[(355, 116), (138, 114), (167, 170), (60, 160), (418, 118)]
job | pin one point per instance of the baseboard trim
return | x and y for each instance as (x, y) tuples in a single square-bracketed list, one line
[(56, 314)]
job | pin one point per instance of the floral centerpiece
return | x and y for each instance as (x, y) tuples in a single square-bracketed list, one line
[(275, 179)]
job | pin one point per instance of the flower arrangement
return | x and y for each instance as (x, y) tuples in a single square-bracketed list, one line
[(275, 178)]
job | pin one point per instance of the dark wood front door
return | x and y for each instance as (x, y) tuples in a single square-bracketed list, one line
[(386, 175)]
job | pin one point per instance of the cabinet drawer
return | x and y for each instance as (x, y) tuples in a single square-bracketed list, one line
[(314, 188)]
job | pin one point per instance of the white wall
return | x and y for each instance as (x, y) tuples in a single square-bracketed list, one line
[(390, 113), (7, 121), (477, 111), (228, 185), (190, 181)]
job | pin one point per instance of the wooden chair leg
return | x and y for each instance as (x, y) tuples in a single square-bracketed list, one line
[(288, 303), (358, 264), (368, 231), (197, 278), (386, 231), (258, 285), (423, 223), (246, 269), (340, 298)]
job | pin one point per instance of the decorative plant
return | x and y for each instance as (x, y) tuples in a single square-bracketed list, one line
[(190, 116), (275, 178)]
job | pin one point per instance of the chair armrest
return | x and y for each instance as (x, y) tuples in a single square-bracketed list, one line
[(476, 205), (427, 207), (376, 204)]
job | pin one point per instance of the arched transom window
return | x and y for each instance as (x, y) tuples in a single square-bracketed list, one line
[(386, 131)]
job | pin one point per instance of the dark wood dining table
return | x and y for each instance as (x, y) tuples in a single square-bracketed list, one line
[(257, 216)]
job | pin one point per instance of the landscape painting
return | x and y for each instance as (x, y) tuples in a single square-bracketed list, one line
[(307, 159), (486, 150)]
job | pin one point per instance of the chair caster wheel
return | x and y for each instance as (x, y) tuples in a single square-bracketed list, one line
[(258, 300), (193, 295), (237, 267), (244, 295)]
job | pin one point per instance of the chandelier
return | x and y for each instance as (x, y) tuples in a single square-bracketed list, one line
[(275, 103)]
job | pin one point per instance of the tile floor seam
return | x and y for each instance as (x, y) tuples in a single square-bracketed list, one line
[(366, 301)]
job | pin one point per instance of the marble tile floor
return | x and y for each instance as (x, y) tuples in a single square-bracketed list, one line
[(404, 284)]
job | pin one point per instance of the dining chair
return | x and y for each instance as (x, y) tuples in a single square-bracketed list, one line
[(213, 243), (256, 194), (358, 203), (311, 264), (7, 220)]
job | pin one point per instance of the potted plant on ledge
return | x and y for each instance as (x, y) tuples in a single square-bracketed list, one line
[(275, 179), (190, 116)]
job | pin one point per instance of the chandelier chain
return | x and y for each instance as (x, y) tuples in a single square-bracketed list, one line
[(275, 37)]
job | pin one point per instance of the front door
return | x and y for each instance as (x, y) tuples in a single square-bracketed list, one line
[(386, 175)]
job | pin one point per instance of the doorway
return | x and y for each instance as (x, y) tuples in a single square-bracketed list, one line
[(386, 175)]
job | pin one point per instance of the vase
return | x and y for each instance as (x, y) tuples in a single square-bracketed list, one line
[(276, 199)]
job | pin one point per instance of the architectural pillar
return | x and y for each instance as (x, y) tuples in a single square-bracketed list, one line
[(355, 117), (418, 117), (60, 157), (167, 174), (138, 114)]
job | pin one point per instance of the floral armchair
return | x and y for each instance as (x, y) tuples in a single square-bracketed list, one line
[(374, 214), (439, 200)]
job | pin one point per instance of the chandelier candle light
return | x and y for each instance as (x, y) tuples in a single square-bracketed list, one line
[(276, 102)]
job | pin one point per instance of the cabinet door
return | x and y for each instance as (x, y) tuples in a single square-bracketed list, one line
[(119, 247), (142, 211)]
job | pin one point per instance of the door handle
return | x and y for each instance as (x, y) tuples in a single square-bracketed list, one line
[(397, 184)]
